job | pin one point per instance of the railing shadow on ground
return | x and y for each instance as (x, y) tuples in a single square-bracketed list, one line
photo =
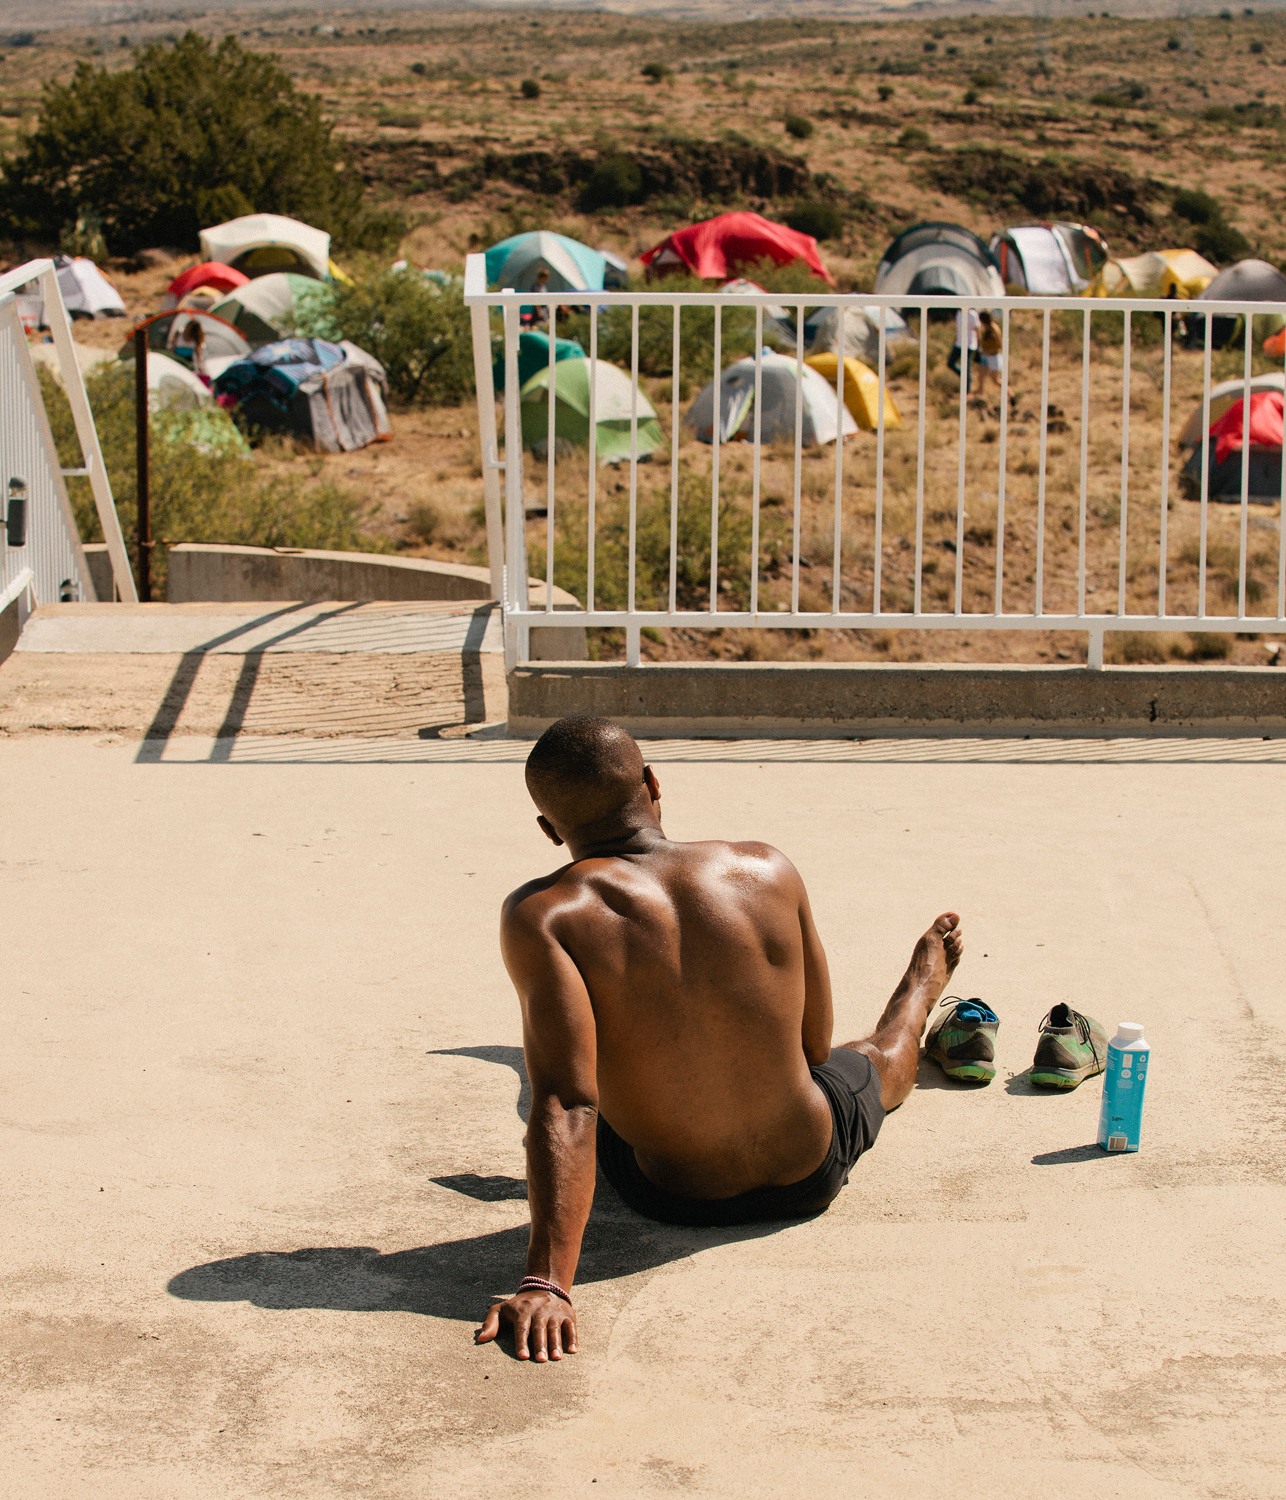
[(165, 721)]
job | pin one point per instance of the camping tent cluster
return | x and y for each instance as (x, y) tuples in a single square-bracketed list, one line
[(225, 340)]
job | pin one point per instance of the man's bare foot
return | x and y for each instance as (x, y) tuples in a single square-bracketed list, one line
[(934, 960)]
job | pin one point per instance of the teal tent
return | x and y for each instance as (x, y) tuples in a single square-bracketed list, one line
[(573, 267), (616, 405), (533, 355)]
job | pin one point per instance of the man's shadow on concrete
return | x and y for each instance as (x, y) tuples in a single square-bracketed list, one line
[(455, 1279)]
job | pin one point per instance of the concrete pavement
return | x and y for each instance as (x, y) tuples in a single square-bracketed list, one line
[(259, 1117)]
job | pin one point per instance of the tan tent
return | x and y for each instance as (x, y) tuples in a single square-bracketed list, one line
[(1158, 273)]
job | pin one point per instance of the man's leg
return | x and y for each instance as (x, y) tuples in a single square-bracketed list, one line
[(894, 1045)]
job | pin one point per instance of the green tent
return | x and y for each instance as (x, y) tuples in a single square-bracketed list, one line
[(533, 355), (614, 408)]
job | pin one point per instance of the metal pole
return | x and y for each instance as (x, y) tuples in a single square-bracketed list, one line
[(143, 479)]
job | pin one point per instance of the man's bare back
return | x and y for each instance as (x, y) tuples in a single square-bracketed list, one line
[(706, 976), (677, 1008)]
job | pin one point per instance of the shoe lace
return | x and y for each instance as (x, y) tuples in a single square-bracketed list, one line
[(1082, 1025)]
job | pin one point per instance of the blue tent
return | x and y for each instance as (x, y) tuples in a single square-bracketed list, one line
[(573, 267)]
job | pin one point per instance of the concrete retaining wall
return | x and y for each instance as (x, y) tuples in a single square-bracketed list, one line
[(202, 573), (847, 701)]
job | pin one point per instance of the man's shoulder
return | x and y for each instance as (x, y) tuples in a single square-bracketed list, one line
[(751, 855), (534, 900)]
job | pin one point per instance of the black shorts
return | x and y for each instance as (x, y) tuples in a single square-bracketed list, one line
[(852, 1089)]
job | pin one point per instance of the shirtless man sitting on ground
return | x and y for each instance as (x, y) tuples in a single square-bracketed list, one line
[(677, 1022)]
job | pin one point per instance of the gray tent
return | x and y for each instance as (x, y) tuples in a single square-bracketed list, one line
[(938, 259), (1247, 281)]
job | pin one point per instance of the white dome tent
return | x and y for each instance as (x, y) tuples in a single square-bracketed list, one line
[(824, 419), (257, 244)]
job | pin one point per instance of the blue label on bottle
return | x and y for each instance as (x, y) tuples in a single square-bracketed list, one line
[(1121, 1115)]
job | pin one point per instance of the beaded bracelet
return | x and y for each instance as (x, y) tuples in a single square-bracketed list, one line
[(539, 1284)]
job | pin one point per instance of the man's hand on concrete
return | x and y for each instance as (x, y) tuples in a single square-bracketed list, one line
[(544, 1326)]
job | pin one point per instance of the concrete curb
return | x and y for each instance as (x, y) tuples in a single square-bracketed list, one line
[(840, 700)]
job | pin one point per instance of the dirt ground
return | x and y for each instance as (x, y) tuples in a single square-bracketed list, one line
[(1093, 117)]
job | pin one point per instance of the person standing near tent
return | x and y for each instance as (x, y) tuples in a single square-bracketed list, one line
[(990, 345), (193, 349), (965, 349), (534, 314)]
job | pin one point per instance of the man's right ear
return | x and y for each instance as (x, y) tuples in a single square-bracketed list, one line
[(547, 828)]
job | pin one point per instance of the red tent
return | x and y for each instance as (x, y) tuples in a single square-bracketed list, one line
[(718, 248), (1264, 429), (211, 273)]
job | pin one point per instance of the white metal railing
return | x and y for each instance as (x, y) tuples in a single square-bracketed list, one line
[(52, 554), (1084, 535)]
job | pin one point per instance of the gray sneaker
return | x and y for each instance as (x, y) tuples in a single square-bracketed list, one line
[(1072, 1047)]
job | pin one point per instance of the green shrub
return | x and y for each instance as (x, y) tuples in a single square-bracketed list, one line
[(798, 127), (1172, 44), (915, 138), (1197, 207), (199, 495), (1256, 47), (820, 219), (419, 331), (984, 79), (529, 88), (655, 72), (615, 182), (885, 91), (188, 135), (970, 96), (1209, 646)]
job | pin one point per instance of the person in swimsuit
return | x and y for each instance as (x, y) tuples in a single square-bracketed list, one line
[(677, 1018)]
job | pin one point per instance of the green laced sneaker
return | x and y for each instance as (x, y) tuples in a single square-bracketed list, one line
[(962, 1040), (1072, 1047)]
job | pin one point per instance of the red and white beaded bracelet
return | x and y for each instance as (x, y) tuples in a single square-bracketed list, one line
[(540, 1284)]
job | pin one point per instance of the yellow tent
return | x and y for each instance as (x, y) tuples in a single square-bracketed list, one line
[(861, 391), (1159, 273)]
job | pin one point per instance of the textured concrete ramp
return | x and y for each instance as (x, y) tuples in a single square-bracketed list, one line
[(227, 670), (261, 1143)]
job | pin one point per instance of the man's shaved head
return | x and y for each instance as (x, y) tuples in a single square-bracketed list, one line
[(582, 772)]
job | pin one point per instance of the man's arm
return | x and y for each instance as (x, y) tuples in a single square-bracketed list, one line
[(560, 1044), (819, 1016)]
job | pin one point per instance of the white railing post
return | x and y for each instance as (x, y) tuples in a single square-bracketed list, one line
[(475, 284)]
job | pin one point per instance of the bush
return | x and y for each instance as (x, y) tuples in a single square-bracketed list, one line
[(798, 127), (970, 96), (885, 91), (198, 495), (190, 134), (419, 331), (616, 181), (915, 138), (1172, 44), (820, 219), (529, 88), (1256, 47), (655, 72), (1197, 207), (984, 79)]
